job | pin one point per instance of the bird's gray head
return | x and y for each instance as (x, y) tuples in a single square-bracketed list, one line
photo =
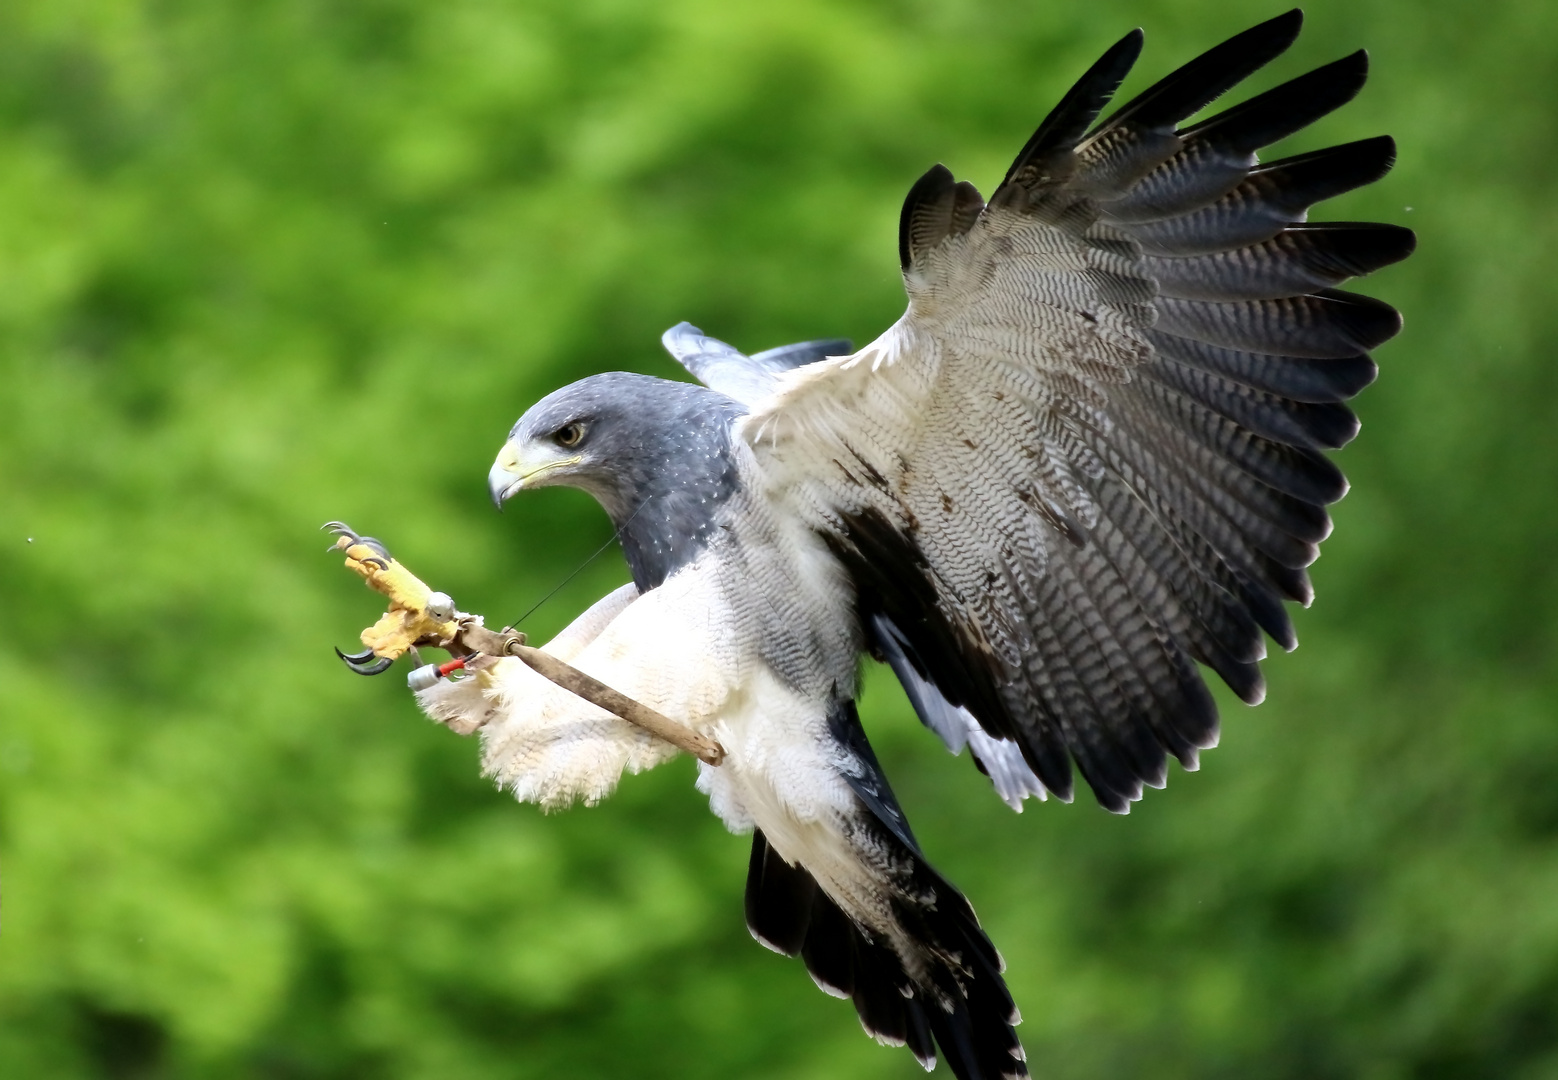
[(654, 453)]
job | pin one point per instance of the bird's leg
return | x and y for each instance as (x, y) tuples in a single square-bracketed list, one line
[(419, 616)]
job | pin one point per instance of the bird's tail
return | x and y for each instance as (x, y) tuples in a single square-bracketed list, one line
[(939, 985)]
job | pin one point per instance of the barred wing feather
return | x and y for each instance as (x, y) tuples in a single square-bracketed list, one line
[(1090, 454)]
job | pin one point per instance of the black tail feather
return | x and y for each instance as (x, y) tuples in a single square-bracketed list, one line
[(959, 1002), (779, 900)]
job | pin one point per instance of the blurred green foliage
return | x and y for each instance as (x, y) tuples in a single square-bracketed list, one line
[(271, 262)]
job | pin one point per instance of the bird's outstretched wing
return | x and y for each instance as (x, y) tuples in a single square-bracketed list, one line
[(1090, 453)]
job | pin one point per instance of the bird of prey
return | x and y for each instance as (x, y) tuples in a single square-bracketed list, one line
[(1087, 459)]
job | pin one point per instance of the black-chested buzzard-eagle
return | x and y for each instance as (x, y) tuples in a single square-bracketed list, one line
[(1089, 456)]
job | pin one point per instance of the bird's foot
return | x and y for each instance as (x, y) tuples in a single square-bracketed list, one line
[(416, 614), (377, 553)]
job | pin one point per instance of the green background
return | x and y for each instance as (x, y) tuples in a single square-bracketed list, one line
[(263, 264)]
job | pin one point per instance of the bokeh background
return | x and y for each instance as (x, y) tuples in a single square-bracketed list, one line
[(264, 263)]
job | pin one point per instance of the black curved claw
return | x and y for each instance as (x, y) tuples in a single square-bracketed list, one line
[(373, 543), (377, 545), (358, 662)]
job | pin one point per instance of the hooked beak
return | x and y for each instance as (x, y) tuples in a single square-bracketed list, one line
[(502, 482), (514, 469)]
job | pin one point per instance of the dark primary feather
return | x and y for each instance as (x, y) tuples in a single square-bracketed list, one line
[(1064, 126), (1268, 200), (1194, 86), (1215, 156), (1297, 423), (1324, 325), (1297, 379), (1282, 110), (1301, 258), (1135, 139)]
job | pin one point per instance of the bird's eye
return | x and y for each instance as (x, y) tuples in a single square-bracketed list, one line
[(569, 434)]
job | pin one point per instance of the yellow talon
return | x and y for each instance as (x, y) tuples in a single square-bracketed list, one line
[(408, 620)]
